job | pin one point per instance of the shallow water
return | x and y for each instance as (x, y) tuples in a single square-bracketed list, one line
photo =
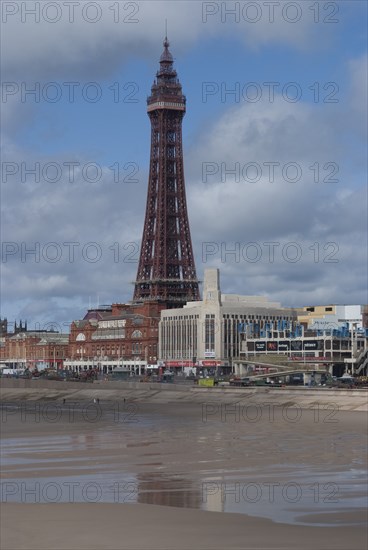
[(281, 471)]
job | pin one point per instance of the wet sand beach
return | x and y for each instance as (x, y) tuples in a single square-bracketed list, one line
[(147, 527), (147, 476)]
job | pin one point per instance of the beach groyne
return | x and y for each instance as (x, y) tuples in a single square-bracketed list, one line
[(47, 390)]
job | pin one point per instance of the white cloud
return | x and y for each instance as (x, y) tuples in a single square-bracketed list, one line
[(74, 44), (325, 220), (359, 93)]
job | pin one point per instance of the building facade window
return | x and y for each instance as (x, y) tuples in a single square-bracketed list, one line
[(209, 335)]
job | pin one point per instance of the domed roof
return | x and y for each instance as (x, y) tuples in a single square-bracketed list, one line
[(166, 56)]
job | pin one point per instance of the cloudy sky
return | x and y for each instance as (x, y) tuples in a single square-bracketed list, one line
[(274, 146)]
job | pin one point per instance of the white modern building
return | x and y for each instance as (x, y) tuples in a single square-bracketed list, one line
[(206, 333), (331, 316)]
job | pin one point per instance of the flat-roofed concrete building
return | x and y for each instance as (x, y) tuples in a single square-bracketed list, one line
[(330, 337), (206, 332), (331, 316)]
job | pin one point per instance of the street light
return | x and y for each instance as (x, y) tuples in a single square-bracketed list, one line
[(354, 323)]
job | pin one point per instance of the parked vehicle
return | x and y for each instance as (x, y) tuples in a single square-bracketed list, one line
[(242, 382), (346, 381)]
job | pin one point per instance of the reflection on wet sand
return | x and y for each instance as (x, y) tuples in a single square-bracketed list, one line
[(166, 490), (282, 472)]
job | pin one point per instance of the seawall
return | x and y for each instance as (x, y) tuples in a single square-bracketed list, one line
[(47, 390)]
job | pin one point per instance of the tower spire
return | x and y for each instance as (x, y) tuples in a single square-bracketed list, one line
[(166, 59), (166, 270)]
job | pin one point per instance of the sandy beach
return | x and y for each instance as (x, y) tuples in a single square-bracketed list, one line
[(147, 527), (178, 476)]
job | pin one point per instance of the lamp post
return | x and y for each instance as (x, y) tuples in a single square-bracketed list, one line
[(146, 359), (354, 324)]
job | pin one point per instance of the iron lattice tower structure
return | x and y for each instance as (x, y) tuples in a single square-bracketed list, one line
[(166, 270)]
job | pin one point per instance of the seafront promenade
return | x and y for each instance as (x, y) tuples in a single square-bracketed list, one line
[(303, 397)]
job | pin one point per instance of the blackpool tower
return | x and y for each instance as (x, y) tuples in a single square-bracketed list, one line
[(166, 270)]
